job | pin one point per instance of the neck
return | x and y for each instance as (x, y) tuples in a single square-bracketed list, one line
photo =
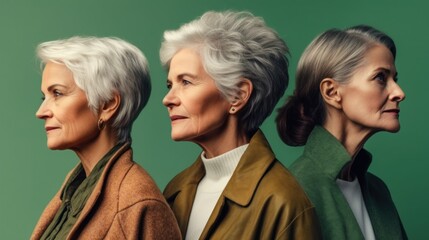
[(223, 141), (91, 152), (351, 136)]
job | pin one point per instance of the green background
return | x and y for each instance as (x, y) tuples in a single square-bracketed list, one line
[(30, 173)]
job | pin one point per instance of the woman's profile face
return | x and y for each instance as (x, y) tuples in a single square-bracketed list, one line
[(197, 110), (69, 122), (370, 100)]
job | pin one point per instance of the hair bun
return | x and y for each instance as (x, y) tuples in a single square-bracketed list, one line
[(293, 125)]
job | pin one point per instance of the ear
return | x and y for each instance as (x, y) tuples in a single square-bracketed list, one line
[(244, 92), (329, 89), (110, 108)]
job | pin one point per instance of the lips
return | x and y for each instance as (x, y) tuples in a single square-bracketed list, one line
[(49, 128), (394, 110), (176, 117)]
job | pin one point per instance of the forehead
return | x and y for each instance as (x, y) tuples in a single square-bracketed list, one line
[(185, 61), (55, 73), (380, 56)]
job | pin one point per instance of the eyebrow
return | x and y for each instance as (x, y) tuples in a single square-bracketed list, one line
[(180, 76), (186, 74), (54, 86), (388, 71)]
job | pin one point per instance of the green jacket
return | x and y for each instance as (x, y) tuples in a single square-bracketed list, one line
[(262, 200), (317, 170)]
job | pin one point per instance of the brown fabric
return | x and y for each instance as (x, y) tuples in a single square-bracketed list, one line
[(125, 204), (262, 200)]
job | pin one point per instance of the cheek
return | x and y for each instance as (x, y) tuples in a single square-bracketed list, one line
[(79, 117), (211, 105), (364, 106), (373, 100), (359, 99), (214, 113), (208, 111)]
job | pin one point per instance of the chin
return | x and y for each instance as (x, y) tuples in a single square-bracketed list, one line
[(394, 129), (55, 146), (184, 137), (176, 138)]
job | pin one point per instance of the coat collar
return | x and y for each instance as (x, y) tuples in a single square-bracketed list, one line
[(53, 206), (332, 156), (253, 164), (250, 170), (92, 200)]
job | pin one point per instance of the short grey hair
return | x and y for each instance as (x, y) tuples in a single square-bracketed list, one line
[(102, 67), (234, 46)]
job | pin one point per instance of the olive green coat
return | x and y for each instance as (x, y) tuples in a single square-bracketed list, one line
[(262, 200)]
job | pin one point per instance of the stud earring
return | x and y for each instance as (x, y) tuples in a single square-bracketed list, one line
[(100, 124)]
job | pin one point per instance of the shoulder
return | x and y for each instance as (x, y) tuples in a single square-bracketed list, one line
[(302, 166), (138, 182), (142, 208), (308, 173), (281, 197), (319, 186), (134, 185), (377, 186), (189, 176), (374, 180), (280, 185)]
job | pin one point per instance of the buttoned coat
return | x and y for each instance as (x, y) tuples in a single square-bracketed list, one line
[(262, 200), (125, 204)]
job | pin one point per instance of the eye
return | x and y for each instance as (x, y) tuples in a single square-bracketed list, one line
[(186, 82), (395, 78), (381, 77), (57, 93), (169, 85), (43, 98)]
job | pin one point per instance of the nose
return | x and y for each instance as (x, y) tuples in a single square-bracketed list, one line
[(43, 112), (170, 99), (397, 95)]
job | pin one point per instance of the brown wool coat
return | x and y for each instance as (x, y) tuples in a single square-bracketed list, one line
[(262, 200), (125, 204)]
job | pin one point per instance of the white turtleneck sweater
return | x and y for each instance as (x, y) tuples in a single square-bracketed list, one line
[(353, 194), (218, 172)]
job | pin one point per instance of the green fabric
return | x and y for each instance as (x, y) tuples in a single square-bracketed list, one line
[(317, 170), (74, 196)]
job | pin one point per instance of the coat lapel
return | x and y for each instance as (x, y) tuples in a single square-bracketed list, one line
[(47, 216), (185, 200), (181, 194), (92, 200), (240, 189)]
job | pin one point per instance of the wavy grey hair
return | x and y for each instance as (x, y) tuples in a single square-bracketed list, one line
[(234, 46), (102, 67)]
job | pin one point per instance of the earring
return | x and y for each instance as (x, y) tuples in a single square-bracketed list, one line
[(100, 124), (232, 109)]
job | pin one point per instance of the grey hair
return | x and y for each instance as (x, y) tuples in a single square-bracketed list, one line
[(338, 53), (102, 67), (234, 46), (335, 54)]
